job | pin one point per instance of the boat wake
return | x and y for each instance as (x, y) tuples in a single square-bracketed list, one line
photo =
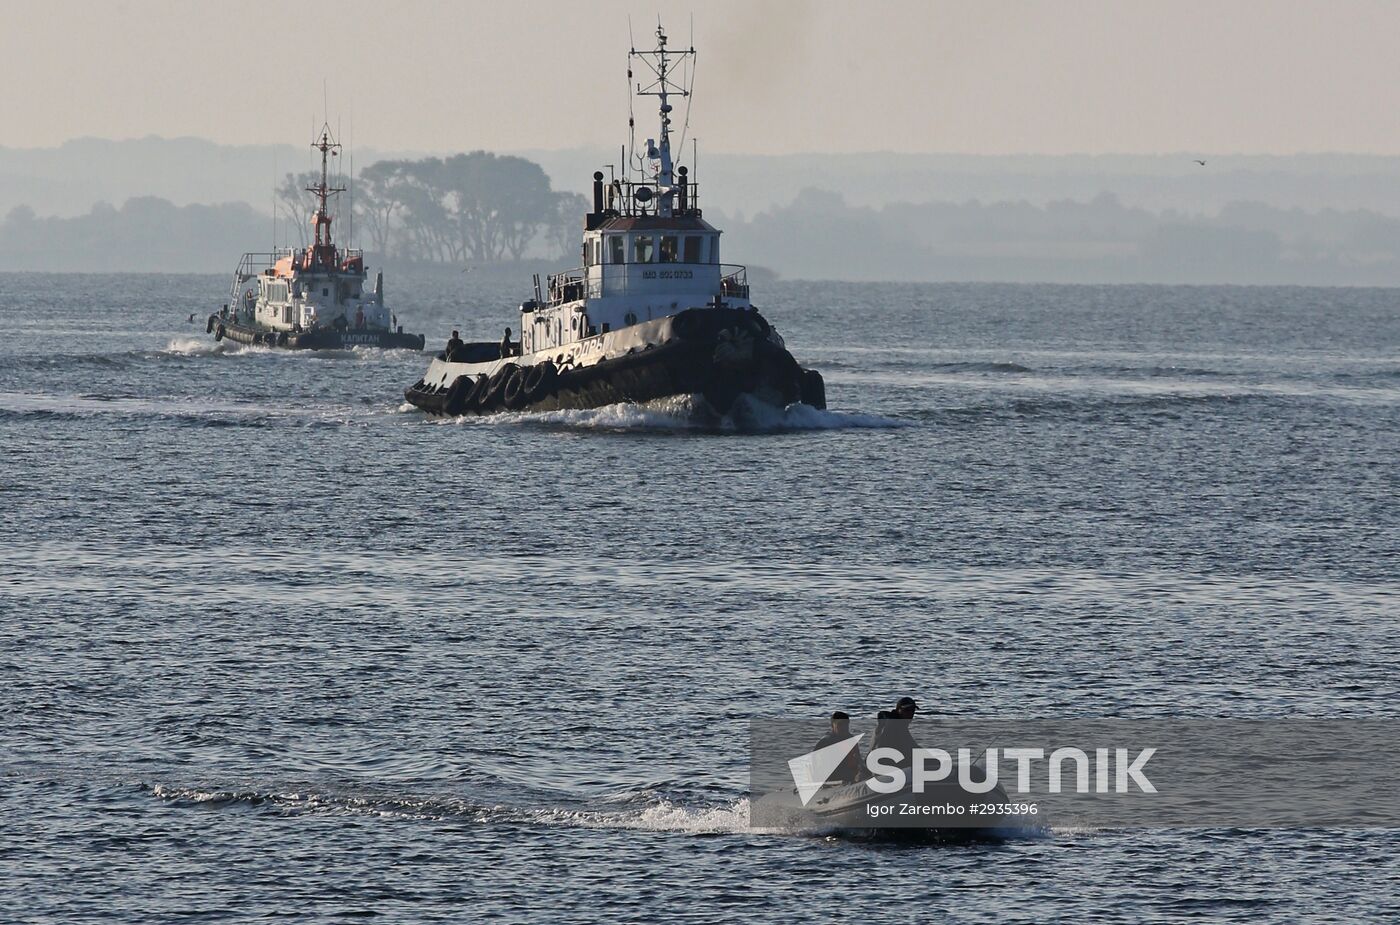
[(645, 812), (656, 814), (195, 347), (680, 414), (197, 412), (204, 347)]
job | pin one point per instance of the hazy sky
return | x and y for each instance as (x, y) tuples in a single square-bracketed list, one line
[(1250, 76)]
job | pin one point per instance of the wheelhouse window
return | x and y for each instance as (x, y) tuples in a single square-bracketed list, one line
[(668, 248), (692, 248), (617, 251), (642, 248)]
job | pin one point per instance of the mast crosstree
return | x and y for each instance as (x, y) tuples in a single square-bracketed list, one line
[(662, 62), (329, 148)]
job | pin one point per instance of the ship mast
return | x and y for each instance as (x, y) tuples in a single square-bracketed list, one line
[(324, 252), (662, 62)]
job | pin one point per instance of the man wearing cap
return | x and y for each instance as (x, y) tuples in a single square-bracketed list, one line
[(892, 731)]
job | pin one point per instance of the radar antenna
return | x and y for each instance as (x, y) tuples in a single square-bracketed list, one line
[(662, 62)]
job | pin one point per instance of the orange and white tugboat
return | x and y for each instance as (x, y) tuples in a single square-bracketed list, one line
[(652, 313), (311, 298)]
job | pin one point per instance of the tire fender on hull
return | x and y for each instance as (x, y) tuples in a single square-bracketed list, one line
[(457, 394), (493, 393), (514, 394), (472, 401), (813, 389), (539, 382)]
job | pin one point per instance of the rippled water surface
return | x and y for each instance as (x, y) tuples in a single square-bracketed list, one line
[(274, 645)]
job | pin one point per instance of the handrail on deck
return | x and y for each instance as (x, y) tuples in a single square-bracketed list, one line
[(265, 260), (574, 284)]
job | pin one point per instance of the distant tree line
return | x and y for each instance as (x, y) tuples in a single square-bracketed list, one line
[(819, 235), (478, 207)]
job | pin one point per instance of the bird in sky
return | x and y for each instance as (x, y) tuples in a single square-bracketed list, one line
[(1202, 163)]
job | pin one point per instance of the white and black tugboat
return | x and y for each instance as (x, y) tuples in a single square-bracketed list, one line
[(312, 298), (651, 313)]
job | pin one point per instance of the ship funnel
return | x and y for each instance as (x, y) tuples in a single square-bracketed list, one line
[(595, 218)]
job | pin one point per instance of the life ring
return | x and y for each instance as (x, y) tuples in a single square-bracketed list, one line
[(539, 381), (491, 393), (219, 332), (514, 394)]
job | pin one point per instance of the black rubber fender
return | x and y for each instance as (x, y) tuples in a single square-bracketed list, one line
[(514, 394), (686, 325), (282, 339), (457, 395), (219, 332), (813, 389), (492, 394), (539, 381), (209, 328), (473, 398)]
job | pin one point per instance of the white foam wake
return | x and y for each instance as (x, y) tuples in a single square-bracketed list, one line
[(688, 413), (666, 816), (193, 347)]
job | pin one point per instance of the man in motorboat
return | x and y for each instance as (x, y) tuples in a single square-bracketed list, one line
[(851, 768), (892, 730), (454, 343), (506, 348)]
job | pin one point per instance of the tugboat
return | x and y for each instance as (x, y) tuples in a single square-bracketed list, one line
[(652, 312), (310, 298)]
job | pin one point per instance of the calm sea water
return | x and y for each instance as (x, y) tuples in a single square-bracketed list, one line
[(273, 645)]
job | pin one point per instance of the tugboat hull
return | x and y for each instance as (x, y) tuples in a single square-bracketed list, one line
[(318, 339), (719, 354)]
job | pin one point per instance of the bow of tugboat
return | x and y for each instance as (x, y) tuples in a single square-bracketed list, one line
[(651, 312)]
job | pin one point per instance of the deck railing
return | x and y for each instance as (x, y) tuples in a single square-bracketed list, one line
[(734, 284), (572, 285), (253, 264)]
